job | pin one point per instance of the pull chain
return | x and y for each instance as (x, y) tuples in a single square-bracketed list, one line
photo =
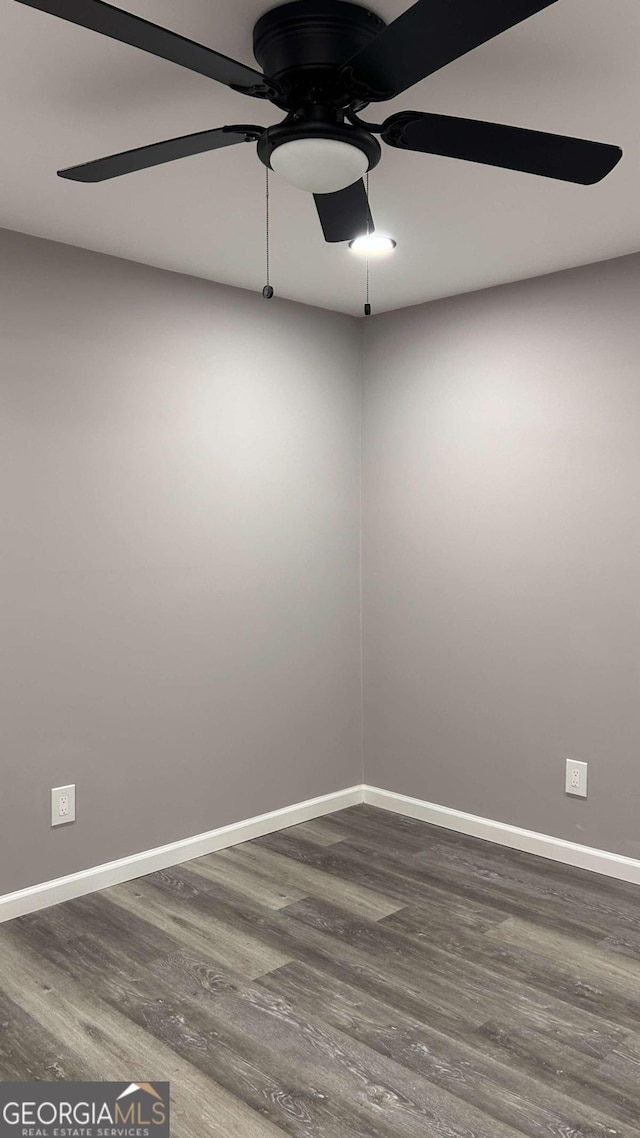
[(367, 306), (267, 291)]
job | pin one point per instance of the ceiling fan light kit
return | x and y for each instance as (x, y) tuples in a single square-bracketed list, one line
[(322, 63), (319, 165), (318, 154)]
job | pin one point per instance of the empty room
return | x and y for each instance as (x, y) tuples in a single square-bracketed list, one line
[(319, 563)]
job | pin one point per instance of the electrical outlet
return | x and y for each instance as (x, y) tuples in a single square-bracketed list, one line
[(576, 779), (63, 805)]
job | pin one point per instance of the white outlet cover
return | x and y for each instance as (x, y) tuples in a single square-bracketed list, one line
[(576, 779), (57, 794)]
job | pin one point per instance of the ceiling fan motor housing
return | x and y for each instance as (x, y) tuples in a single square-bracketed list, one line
[(303, 45)]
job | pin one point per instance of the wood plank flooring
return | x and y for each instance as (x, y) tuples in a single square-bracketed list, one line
[(359, 976)]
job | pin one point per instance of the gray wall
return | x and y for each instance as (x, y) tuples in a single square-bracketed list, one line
[(179, 555), (502, 552)]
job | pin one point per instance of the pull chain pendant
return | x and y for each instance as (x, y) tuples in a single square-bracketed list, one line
[(367, 305), (267, 291)]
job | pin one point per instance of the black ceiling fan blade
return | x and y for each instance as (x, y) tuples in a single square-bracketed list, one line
[(127, 28), (510, 147), (428, 36), (345, 214), (145, 156)]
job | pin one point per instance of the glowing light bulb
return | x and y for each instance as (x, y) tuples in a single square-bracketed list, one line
[(372, 245)]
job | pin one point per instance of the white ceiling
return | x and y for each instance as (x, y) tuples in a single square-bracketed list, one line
[(68, 95)]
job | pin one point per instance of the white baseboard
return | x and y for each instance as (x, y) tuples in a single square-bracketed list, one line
[(149, 861), (556, 849)]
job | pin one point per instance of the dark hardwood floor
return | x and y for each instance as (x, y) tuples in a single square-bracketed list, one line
[(360, 976)]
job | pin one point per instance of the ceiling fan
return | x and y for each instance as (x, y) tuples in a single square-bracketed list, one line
[(322, 63)]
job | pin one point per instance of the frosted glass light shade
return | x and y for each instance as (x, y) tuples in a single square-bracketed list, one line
[(319, 165)]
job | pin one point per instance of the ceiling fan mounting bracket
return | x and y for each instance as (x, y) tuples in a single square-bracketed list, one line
[(394, 127), (251, 133), (363, 92), (353, 117), (259, 91), (304, 45)]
